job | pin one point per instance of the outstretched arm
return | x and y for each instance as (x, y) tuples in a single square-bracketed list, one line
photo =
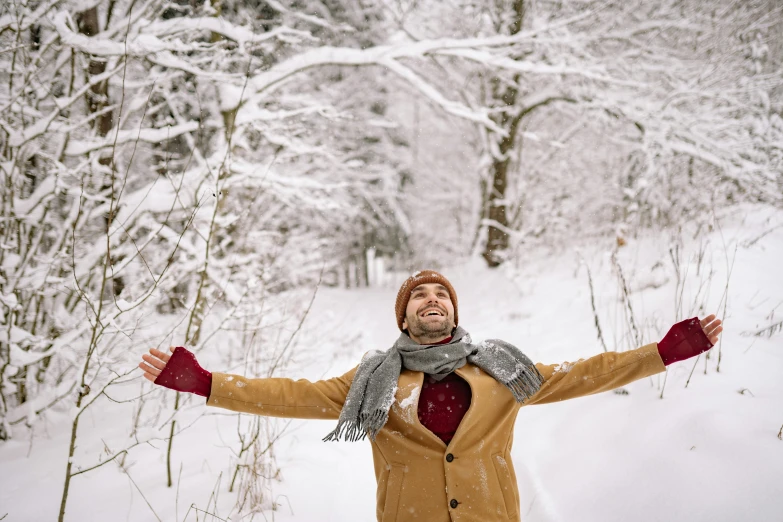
[(273, 397), (281, 397), (611, 370)]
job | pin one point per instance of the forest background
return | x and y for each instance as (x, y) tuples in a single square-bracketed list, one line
[(182, 172)]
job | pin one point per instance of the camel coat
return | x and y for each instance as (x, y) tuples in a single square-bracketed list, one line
[(419, 477)]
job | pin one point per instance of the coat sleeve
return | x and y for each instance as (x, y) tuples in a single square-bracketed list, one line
[(603, 372), (280, 397)]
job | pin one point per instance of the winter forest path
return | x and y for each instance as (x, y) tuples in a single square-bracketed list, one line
[(706, 452)]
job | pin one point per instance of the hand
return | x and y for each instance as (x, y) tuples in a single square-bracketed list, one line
[(689, 338), (179, 371), (155, 363), (712, 328)]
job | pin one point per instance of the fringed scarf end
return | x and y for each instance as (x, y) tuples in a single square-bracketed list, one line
[(527, 384), (352, 431), (334, 435)]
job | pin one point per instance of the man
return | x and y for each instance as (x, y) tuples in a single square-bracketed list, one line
[(439, 409)]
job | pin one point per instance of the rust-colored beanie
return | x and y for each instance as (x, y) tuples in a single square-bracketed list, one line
[(421, 278)]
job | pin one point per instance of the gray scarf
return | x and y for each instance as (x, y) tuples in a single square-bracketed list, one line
[(366, 407)]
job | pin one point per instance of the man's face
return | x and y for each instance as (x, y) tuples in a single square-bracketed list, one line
[(429, 317)]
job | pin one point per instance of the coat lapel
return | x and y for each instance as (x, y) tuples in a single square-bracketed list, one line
[(411, 382)]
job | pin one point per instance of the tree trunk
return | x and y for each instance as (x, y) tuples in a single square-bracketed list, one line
[(495, 206), (98, 95), (497, 237), (97, 103)]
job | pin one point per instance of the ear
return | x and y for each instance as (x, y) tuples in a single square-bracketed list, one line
[(404, 324)]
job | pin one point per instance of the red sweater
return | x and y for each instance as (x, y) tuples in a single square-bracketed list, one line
[(442, 404)]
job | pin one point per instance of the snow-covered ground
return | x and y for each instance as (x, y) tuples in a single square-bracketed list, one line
[(708, 452)]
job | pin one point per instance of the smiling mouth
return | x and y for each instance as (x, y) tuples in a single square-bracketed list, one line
[(432, 312)]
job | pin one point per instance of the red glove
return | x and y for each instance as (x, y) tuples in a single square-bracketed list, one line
[(183, 373), (684, 340)]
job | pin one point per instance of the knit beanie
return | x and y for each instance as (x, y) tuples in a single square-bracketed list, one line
[(421, 278)]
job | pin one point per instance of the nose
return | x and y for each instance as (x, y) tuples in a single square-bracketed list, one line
[(433, 298)]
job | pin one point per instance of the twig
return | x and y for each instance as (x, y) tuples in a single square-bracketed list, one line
[(124, 469), (301, 321), (665, 376), (767, 331), (121, 452), (193, 507), (141, 493), (750, 242), (592, 304), (692, 370), (213, 497), (627, 299), (674, 255), (113, 457), (176, 498), (49, 405), (725, 297)]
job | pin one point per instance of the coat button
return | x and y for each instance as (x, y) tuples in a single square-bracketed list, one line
[(449, 457), (453, 503)]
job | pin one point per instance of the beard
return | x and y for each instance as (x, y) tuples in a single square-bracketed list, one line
[(427, 330)]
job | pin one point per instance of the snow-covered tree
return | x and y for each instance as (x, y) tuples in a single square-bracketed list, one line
[(610, 114), (170, 167)]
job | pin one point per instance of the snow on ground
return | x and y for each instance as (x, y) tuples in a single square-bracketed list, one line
[(706, 452)]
